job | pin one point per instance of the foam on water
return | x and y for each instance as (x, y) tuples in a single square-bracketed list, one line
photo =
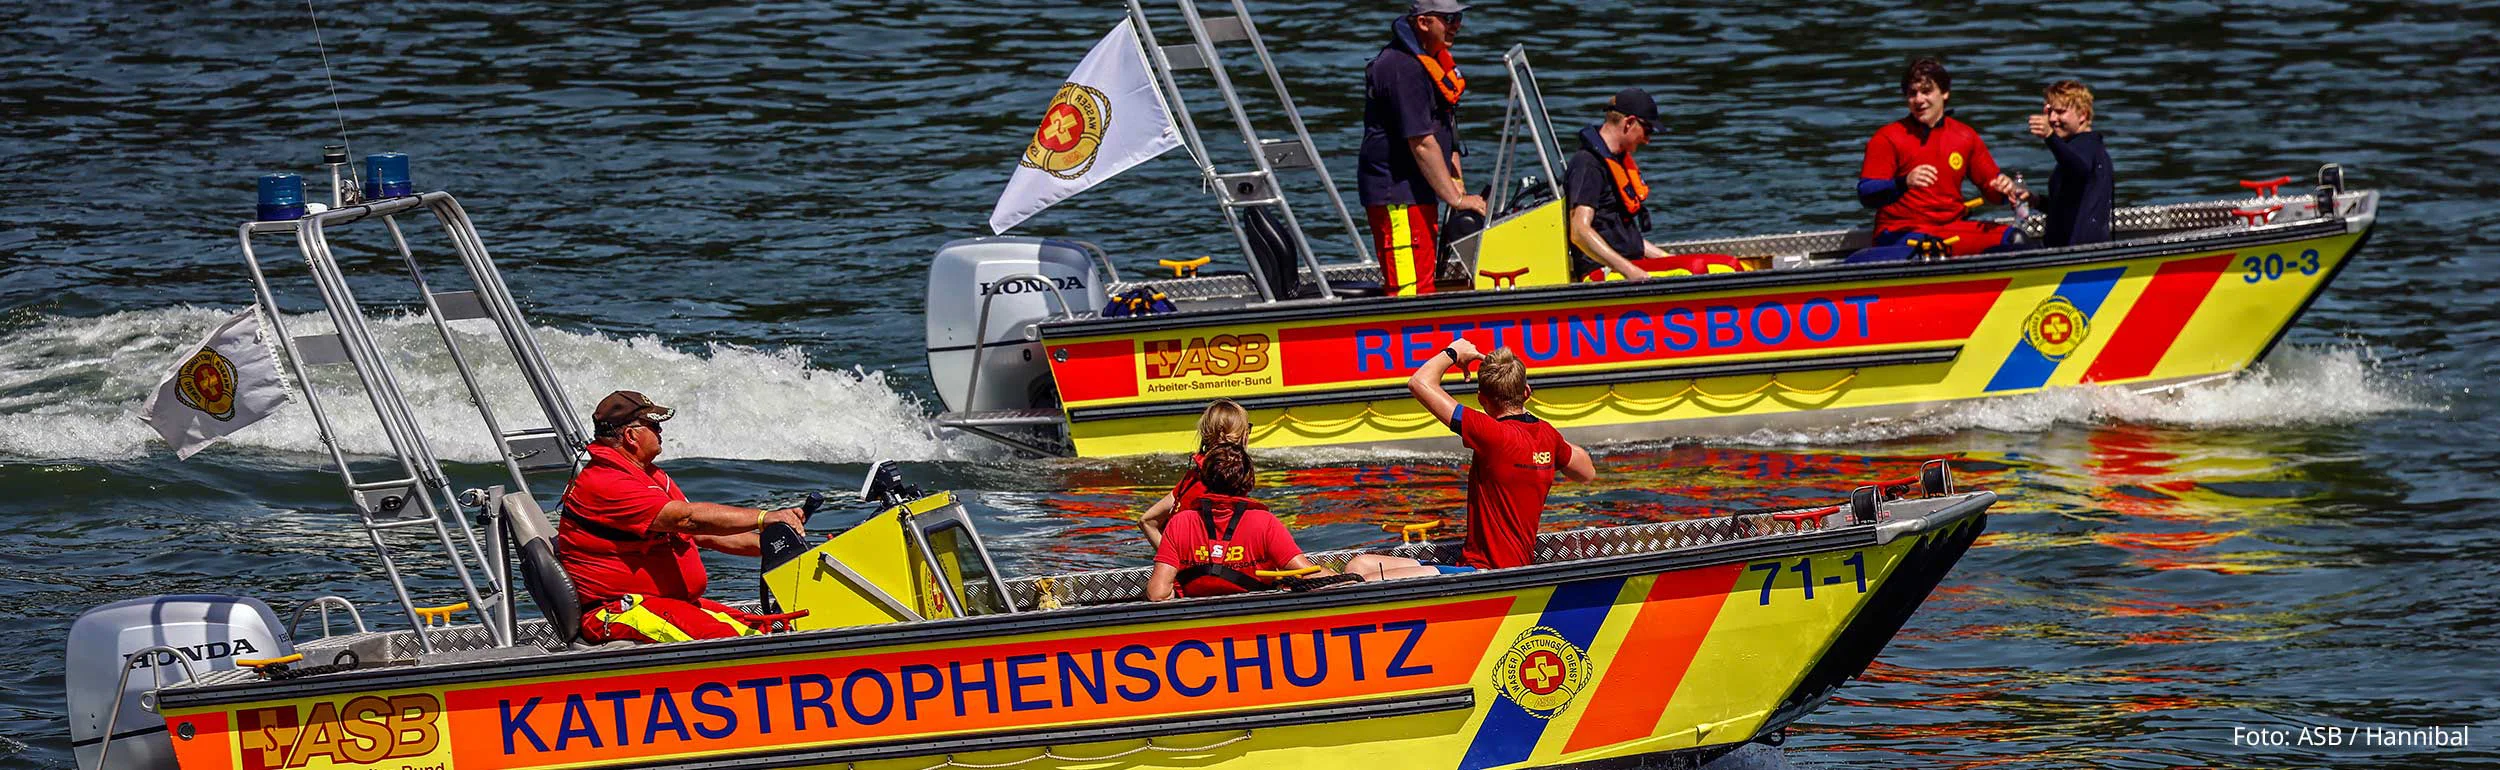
[(2295, 386), (72, 388)]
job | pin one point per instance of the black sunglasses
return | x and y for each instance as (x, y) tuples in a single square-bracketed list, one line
[(1453, 19)]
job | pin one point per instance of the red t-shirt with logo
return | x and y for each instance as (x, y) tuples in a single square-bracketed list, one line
[(1513, 469), (1951, 146), (1258, 542), (604, 539)]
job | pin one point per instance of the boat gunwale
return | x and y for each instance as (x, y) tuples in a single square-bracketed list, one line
[(2359, 219), (193, 695)]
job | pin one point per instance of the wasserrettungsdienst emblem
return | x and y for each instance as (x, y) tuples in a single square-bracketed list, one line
[(2056, 328), (207, 384), (1071, 132), (1541, 672)]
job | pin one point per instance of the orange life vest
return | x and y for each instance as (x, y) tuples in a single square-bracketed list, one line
[(1628, 184), (1445, 77)]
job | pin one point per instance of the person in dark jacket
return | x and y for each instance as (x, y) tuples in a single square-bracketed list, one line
[(1409, 165), (2082, 187), (1604, 197)]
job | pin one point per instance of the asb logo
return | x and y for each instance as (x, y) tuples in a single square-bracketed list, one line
[(1216, 356), (1541, 672), (1071, 132), (207, 384), (366, 730), (2056, 328), (1954, 160)]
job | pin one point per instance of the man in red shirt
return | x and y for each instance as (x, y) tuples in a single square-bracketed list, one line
[(628, 536), (1516, 457), (1913, 173), (1217, 544)]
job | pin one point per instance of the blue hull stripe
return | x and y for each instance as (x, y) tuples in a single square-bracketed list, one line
[(1510, 733), (2027, 367)]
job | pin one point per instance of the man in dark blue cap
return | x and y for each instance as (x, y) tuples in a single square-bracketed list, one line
[(1604, 197), (1409, 161)]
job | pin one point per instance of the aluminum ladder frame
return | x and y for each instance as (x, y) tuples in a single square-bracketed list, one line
[(383, 505), (1248, 189)]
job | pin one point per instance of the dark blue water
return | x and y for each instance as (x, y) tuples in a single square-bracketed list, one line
[(729, 206)]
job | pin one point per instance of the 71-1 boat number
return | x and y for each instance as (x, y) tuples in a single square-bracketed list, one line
[(2274, 266), (1805, 572)]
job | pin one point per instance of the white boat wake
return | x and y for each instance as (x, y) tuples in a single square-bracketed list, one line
[(70, 388)]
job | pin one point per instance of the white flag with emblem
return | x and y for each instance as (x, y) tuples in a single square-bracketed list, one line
[(1107, 117), (229, 381)]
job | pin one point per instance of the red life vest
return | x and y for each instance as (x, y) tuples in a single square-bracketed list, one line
[(1192, 484), (1228, 568)]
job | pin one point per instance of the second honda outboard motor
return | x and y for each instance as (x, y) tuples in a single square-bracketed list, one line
[(1023, 280)]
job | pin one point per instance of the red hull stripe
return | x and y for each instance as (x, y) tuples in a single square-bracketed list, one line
[(1095, 370), (1655, 654), (2149, 329)]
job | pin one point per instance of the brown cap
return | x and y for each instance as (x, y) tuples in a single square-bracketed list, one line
[(622, 408)]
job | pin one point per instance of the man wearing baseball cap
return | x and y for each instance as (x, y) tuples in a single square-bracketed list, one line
[(1408, 165), (1604, 197), (628, 536)]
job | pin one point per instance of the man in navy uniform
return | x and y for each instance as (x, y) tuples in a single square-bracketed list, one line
[(1604, 194), (1409, 161)]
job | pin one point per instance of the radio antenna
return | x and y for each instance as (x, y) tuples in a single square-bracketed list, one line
[(327, 76)]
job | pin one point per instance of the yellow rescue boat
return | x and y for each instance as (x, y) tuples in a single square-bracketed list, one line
[(1677, 640), (1045, 345)]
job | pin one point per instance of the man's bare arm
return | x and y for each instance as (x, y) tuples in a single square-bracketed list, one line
[(1581, 468), (1425, 383), (1584, 235), (748, 544), (692, 518), (1435, 163)]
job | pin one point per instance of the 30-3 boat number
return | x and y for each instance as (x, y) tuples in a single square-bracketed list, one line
[(2274, 266), (1805, 574)]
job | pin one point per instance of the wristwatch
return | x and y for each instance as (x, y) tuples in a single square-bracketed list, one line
[(1453, 354)]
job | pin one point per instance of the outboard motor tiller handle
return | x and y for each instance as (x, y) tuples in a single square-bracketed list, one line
[(778, 543)]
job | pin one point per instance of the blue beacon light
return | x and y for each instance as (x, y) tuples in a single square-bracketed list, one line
[(386, 176), (281, 197)]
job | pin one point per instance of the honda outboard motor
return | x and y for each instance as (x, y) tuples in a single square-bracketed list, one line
[(1023, 281), (208, 632)]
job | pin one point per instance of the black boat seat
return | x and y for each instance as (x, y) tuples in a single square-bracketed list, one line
[(549, 587), (1277, 257)]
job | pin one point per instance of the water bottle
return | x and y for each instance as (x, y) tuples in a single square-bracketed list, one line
[(2022, 208)]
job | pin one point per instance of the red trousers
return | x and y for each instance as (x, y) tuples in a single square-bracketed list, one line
[(1404, 236)]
